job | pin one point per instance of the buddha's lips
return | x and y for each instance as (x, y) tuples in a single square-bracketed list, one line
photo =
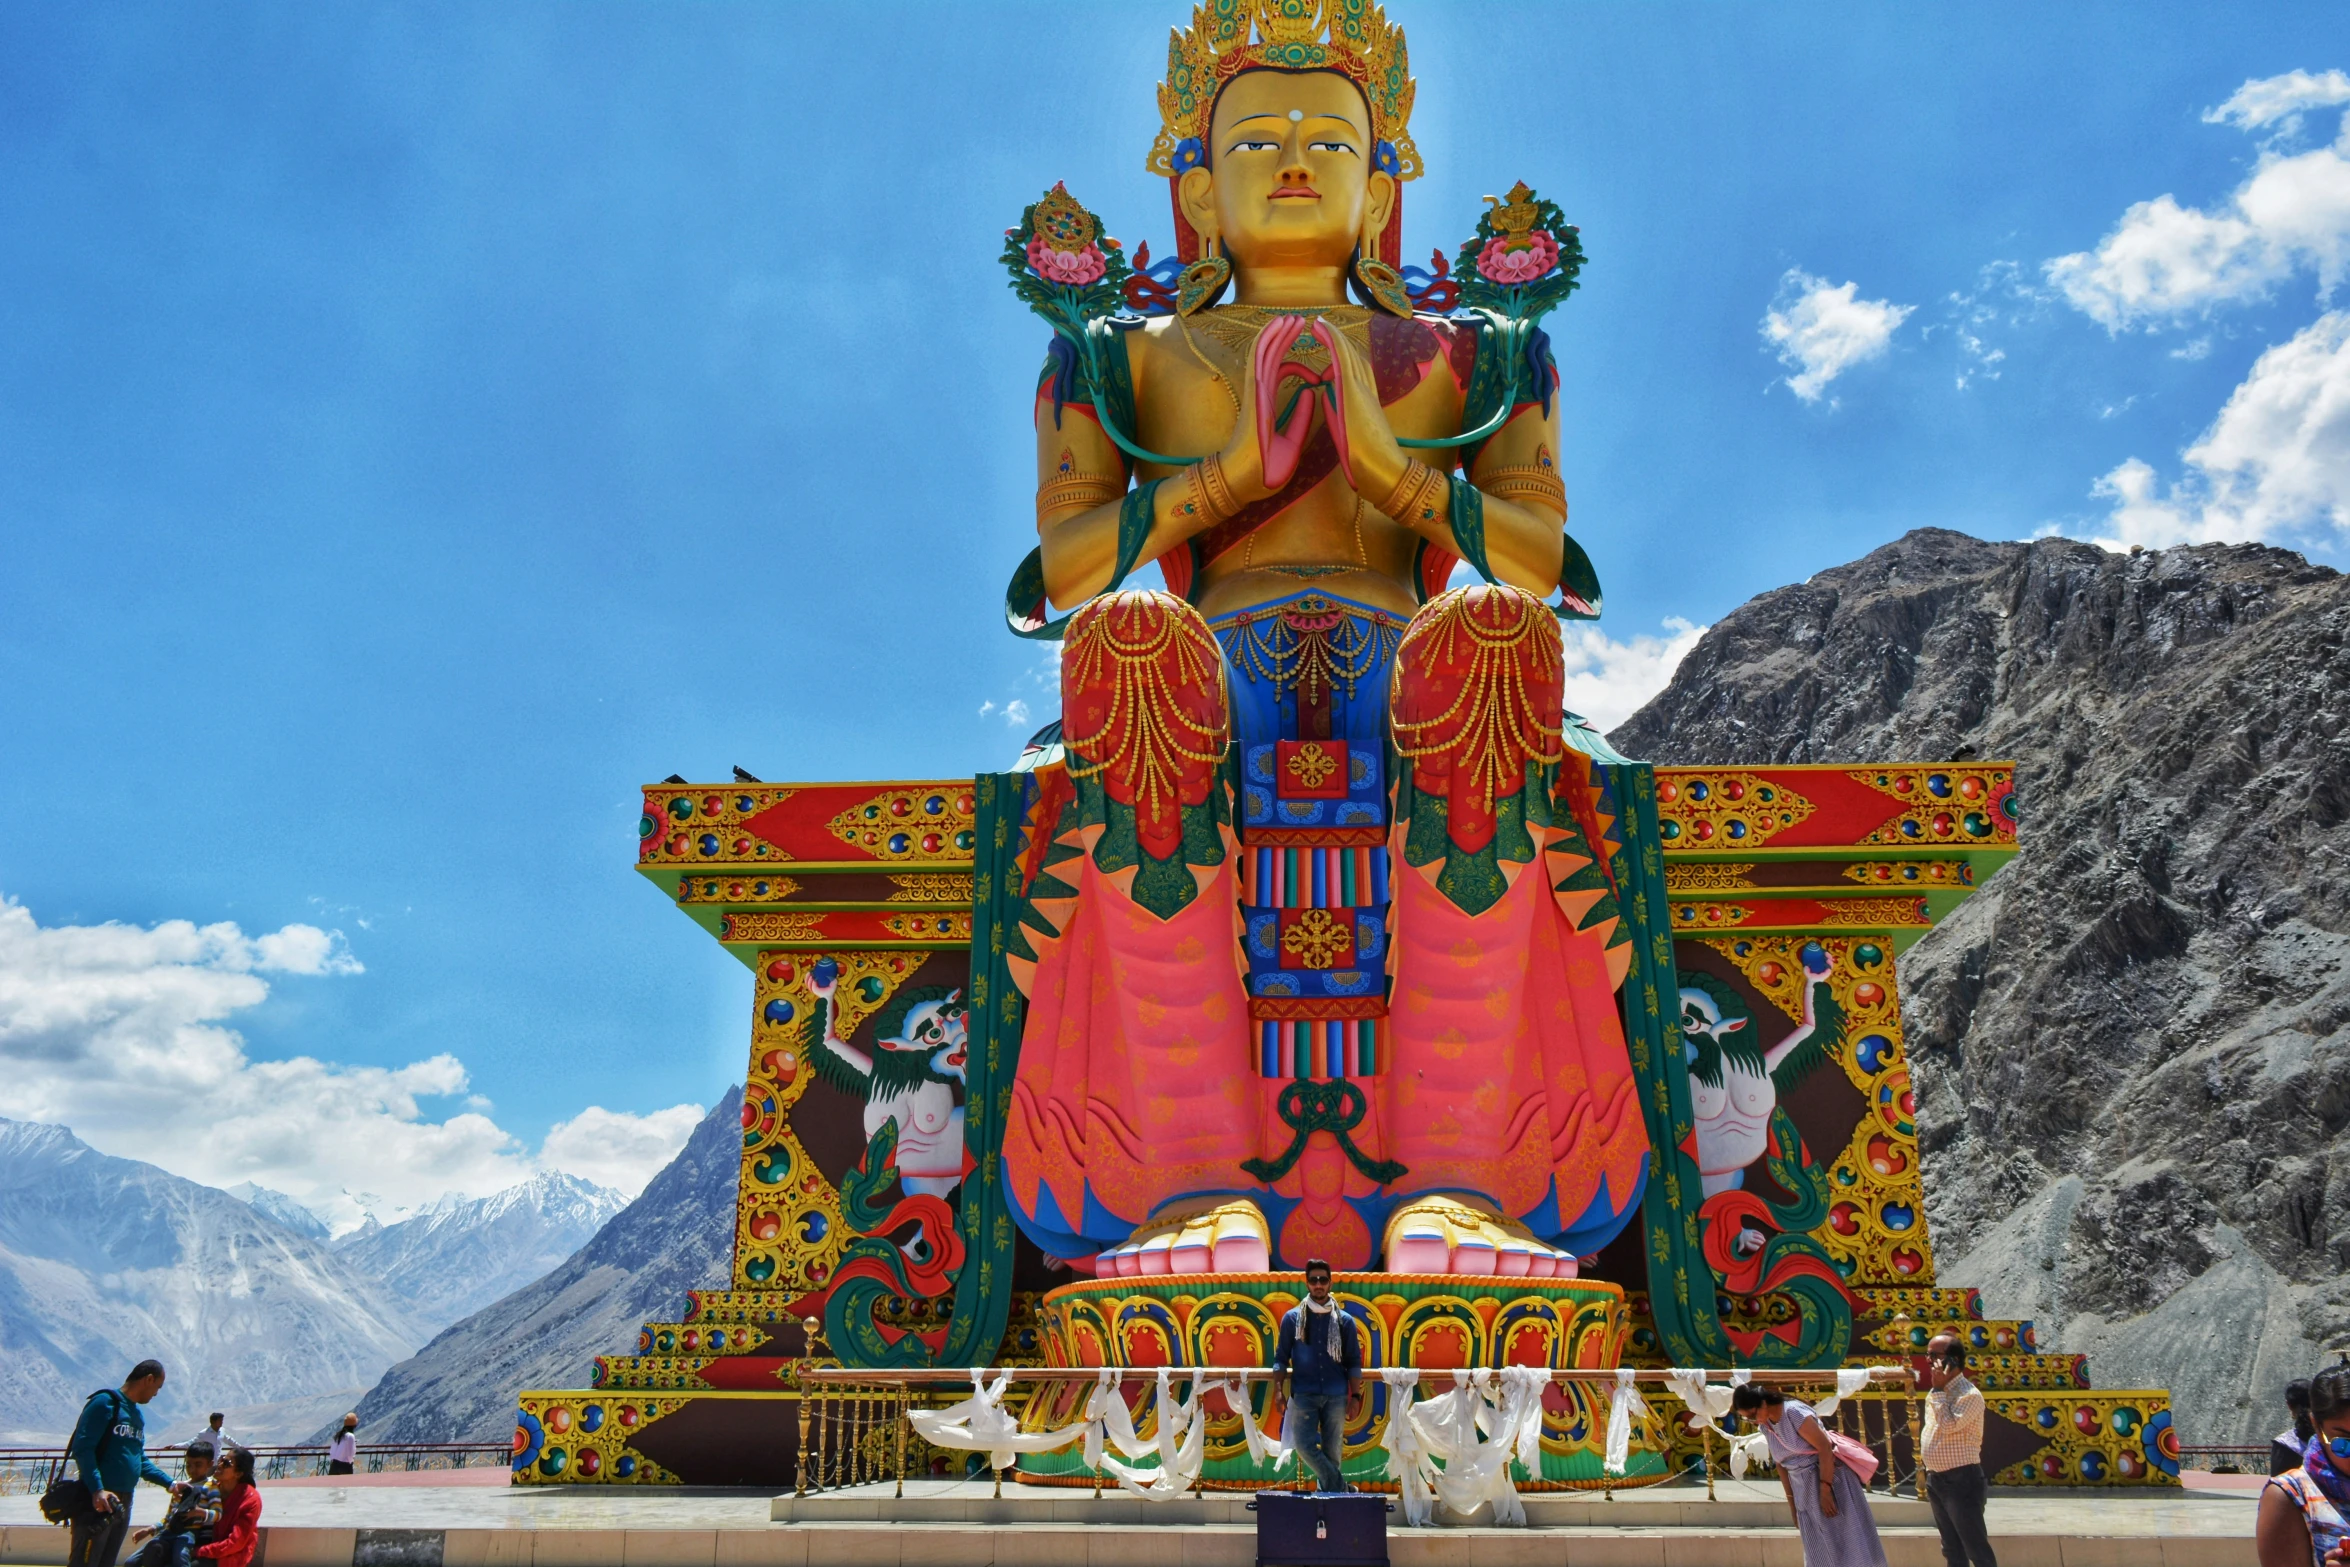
[(1295, 193)]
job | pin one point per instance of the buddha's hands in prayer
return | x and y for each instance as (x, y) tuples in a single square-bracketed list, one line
[(1242, 459), (1375, 461)]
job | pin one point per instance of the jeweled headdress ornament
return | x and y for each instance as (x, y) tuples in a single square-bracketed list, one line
[(1227, 37)]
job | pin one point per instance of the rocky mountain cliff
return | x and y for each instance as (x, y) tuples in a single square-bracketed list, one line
[(2132, 1047), (461, 1254), (677, 1236), (106, 1261)]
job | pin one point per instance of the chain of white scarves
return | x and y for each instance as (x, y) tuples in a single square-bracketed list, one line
[(1455, 1446), (1708, 1403)]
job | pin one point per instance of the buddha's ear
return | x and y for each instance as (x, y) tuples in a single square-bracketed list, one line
[(1195, 193), (1378, 206)]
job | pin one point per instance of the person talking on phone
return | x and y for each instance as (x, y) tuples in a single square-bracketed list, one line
[(1952, 1450)]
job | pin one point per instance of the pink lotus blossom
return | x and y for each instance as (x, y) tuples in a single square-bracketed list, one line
[(1066, 266), (1522, 261)]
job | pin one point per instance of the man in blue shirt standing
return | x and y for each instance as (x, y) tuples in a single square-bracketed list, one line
[(109, 1453), (1320, 1357)]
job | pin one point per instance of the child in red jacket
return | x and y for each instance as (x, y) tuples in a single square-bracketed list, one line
[(239, 1530)]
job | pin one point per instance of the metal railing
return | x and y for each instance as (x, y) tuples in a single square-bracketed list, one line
[(26, 1469), (853, 1425), (2226, 1457)]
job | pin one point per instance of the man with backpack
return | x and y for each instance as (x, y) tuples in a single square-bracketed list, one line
[(109, 1457)]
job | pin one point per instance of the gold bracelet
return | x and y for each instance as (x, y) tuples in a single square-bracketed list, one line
[(1215, 493), (1076, 489), (1526, 479), (1413, 493)]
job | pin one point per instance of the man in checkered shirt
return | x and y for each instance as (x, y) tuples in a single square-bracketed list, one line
[(1952, 1450)]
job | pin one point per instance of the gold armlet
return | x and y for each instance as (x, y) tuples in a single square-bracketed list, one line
[(1526, 481), (1414, 496), (1085, 490), (1213, 493)]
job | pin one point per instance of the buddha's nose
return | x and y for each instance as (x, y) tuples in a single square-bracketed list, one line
[(1294, 168)]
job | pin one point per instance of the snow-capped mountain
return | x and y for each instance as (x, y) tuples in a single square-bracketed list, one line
[(459, 1254), (284, 1209), (677, 1236), (106, 1261)]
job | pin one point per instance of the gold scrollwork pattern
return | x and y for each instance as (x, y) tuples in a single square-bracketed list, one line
[(583, 1439), (1953, 805), (735, 889), (694, 824), (929, 927), (1725, 810), (924, 823), (1710, 916), (1910, 873), (762, 926), (931, 887), (1875, 913), (1709, 876)]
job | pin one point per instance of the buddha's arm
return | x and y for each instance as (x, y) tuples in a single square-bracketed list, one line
[(1080, 482), (1525, 508), (1081, 486), (1525, 502)]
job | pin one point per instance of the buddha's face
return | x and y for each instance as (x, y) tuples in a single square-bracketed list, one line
[(1289, 181)]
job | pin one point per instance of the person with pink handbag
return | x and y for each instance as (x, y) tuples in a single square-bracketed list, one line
[(1823, 1474)]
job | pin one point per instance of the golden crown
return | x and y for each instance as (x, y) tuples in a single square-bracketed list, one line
[(1226, 37)]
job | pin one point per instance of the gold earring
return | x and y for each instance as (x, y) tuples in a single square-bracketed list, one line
[(1384, 284), (1199, 284)]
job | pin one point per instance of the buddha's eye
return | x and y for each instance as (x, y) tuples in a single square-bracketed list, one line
[(1329, 146), (1256, 146)]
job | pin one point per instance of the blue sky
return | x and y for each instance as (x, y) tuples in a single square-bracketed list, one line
[(420, 426)]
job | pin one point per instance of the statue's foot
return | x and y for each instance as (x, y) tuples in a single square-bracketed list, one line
[(1438, 1233), (1199, 1235)]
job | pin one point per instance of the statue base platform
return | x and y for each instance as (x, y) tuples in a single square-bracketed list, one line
[(1435, 1322), (938, 1521)]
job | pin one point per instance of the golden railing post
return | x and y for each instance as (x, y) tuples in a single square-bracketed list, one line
[(1705, 1439), (905, 1419), (1103, 1453), (1911, 1407), (803, 1382), (999, 1478)]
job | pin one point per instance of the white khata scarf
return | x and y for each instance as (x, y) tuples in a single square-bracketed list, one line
[(1333, 1346)]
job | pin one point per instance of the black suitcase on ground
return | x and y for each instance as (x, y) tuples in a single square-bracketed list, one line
[(1320, 1529)]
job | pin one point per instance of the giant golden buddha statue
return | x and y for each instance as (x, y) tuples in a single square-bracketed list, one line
[(1318, 955)]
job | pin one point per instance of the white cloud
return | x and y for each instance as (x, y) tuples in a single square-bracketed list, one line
[(1608, 681), (2004, 297), (1822, 329), (2280, 100), (1042, 679), (2164, 263), (2274, 464), (617, 1149), (121, 1034)]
